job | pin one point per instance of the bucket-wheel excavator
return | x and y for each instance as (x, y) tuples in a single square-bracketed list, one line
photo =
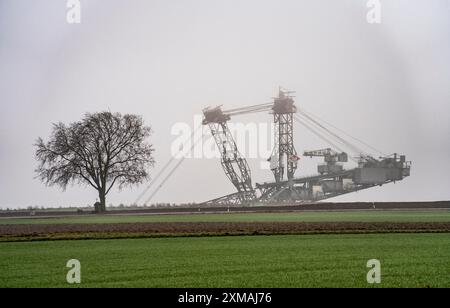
[(332, 178)]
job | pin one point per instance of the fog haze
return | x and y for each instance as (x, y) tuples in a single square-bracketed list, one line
[(387, 83)]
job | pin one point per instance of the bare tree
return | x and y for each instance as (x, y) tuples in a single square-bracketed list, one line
[(101, 150)]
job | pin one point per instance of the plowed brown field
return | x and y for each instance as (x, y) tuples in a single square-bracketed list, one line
[(69, 231)]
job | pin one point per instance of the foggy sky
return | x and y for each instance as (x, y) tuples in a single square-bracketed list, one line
[(388, 83)]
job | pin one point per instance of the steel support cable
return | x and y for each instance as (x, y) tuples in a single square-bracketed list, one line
[(336, 147), (334, 135), (164, 168), (249, 107), (303, 123), (343, 141), (154, 180), (247, 112), (171, 172), (344, 132), (351, 146)]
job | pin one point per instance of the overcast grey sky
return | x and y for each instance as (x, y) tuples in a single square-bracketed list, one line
[(387, 83)]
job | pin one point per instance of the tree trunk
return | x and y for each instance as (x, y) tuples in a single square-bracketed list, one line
[(102, 196)]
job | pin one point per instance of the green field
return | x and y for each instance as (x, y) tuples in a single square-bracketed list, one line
[(358, 216), (407, 260)]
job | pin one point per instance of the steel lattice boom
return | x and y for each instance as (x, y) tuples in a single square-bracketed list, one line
[(233, 163)]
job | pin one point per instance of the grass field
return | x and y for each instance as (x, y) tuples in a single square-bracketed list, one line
[(407, 260), (350, 216), (332, 260)]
